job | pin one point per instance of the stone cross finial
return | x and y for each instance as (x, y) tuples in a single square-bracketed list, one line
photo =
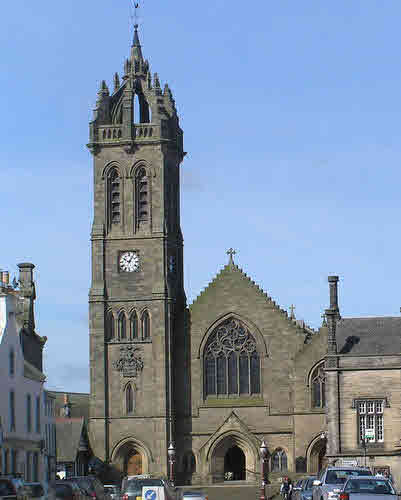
[(324, 322), (231, 252), (292, 313)]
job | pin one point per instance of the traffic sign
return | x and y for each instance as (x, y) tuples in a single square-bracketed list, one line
[(369, 433), (153, 493)]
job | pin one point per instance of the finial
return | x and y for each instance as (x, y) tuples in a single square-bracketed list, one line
[(324, 322), (156, 81), (231, 252), (292, 313), (116, 82)]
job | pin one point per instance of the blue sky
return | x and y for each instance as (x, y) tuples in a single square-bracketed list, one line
[(291, 115)]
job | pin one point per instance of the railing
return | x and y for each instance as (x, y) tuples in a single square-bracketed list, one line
[(110, 133), (140, 132)]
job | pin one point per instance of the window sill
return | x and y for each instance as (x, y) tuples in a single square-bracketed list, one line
[(233, 401)]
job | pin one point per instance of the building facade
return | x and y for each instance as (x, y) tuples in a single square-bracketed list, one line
[(22, 379), (213, 378)]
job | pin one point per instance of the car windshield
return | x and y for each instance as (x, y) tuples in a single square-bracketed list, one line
[(372, 485), (309, 484), (136, 485), (341, 476), (62, 490), (34, 490)]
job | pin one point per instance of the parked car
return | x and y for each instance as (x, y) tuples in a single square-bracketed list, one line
[(7, 489), (303, 489), (91, 486), (368, 488), (18, 484), (194, 495), (67, 490), (132, 488), (331, 480), (113, 491)]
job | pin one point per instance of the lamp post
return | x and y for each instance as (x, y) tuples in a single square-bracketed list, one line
[(263, 469), (364, 443), (171, 459)]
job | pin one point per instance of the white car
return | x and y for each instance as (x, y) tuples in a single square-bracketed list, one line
[(332, 479)]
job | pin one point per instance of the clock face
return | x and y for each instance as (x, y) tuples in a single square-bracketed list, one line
[(129, 262)]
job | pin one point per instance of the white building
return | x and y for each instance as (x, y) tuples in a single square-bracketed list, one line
[(23, 400)]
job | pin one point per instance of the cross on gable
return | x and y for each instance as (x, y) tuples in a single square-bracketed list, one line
[(292, 309), (231, 252)]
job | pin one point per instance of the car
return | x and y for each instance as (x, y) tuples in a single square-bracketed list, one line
[(18, 484), (194, 495), (368, 488), (132, 488), (303, 489), (113, 491), (7, 489), (91, 486), (35, 490), (67, 490), (331, 479)]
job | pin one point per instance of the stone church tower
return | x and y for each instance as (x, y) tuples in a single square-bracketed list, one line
[(136, 299)]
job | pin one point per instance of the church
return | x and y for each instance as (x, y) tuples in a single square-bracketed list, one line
[(215, 378)]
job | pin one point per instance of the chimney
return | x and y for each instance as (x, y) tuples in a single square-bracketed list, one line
[(27, 291), (5, 278), (333, 283)]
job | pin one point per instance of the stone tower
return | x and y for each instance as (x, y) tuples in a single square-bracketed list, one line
[(136, 299)]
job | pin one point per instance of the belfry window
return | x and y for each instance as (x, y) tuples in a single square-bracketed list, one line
[(129, 399), (142, 192), (114, 197), (122, 331), (318, 387), (231, 361), (134, 326), (109, 325), (145, 324)]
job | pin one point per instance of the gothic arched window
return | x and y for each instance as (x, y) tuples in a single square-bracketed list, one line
[(109, 325), (145, 325), (129, 399), (133, 326), (231, 361), (279, 461), (114, 197), (142, 195), (122, 327), (318, 387)]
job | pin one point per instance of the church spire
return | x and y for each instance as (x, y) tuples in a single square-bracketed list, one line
[(136, 50)]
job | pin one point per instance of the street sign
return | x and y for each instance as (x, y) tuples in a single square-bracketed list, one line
[(153, 493), (369, 433)]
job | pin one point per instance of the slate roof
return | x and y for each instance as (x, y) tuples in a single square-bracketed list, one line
[(69, 431), (378, 335)]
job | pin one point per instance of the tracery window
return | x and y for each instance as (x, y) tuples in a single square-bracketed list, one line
[(279, 461), (122, 331), (145, 325), (134, 326), (114, 197), (129, 399), (231, 361), (142, 193), (318, 387)]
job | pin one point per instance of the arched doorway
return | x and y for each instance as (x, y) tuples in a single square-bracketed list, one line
[(234, 464), (133, 465), (317, 456), (131, 457), (233, 457)]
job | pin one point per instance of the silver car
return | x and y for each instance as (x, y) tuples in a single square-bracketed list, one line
[(368, 488), (331, 480)]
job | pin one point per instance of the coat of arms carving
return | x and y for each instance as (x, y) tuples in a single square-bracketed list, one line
[(130, 362)]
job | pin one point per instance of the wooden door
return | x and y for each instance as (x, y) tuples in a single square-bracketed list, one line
[(134, 464)]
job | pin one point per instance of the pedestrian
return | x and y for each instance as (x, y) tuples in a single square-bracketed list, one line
[(286, 488)]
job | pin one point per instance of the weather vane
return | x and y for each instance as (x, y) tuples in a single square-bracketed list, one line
[(135, 5)]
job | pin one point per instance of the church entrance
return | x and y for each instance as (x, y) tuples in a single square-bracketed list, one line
[(234, 464), (133, 466), (317, 457)]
